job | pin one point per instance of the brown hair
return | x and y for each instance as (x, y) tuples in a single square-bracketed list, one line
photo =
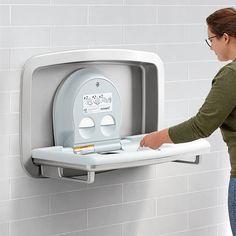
[(223, 21)]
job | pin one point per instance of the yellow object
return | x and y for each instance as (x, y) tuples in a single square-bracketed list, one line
[(84, 149)]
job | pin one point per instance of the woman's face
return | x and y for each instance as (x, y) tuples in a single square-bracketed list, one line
[(219, 46)]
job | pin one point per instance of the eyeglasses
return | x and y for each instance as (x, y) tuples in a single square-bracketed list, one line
[(209, 40)]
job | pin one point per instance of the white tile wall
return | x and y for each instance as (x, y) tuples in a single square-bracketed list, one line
[(4, 229), (121, 15), (88, 2), (192, 201), (155, 188), (5, 189), (224, 229), (121, 213), (183, 15), (209, 216), (4, 15), (89, 198), (24, 208), (50, 224), (114, 230), (157, 226), (4, 59), (4, 144), (209, 231), (86, 35), (164, 200), (72, 15)]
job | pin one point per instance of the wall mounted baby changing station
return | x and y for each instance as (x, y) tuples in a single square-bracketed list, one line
[(86, 111)]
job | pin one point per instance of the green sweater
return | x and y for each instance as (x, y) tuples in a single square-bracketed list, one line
[(218, 110)]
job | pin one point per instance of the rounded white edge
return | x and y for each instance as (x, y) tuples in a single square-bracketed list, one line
[(71, 56)]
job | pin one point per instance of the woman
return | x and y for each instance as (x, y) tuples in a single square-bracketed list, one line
[(219, 108)]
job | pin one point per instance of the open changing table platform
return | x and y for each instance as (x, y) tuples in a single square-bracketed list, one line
[(106, 98), (54, 160)]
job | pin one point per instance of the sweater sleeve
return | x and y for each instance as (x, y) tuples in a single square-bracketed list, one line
[(218, 105)]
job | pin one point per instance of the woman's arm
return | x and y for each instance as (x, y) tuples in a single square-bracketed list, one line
[(155, 139), (218, 105)]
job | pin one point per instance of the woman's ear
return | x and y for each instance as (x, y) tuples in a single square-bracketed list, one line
[(226, 38)]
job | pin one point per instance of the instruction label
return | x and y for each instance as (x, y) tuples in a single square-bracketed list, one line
[(96, 103)]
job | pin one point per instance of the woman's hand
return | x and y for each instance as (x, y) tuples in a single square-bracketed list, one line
[(155, 139)]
